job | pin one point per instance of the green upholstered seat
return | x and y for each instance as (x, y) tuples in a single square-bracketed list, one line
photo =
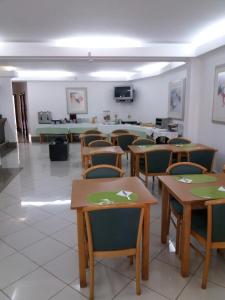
[(178, 141), (92, 131), (90, 138), (203, 158), (125, 140), (157, 161), (102, 172), (199, 222), (114, 229), (100, 143), (120, 131), (162, 140), (143, 142), (104, 159)]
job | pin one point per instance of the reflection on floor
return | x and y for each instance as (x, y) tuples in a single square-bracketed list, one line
[(38, 243)]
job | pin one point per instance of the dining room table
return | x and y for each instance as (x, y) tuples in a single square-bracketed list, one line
[(83, 189), (191, 191), (138, 151), (87, 152)]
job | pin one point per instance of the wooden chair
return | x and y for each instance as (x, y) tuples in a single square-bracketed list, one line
[(203, 157), (178, 141), (175, 207), (124, 140), (143, 141), (154, 163), (120, 131), (100, 143), (114, 231), (105, 158), (103, 171), (90, 138), (208, 228), (92, 131), (162, 140)]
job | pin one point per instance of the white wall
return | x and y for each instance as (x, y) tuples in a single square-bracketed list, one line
[(7, 108)]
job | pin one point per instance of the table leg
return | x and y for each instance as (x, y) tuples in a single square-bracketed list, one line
[(81, 247), (145, 243), (119, 161), (165, 221), (137, 159), (185, 242), (131, 164)]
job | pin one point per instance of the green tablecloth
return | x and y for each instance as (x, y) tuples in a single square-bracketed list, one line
[(78, 130), (195, 178), (208, 192), (52, 130), (108, 197)]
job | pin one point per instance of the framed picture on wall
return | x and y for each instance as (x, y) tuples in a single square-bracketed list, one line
[(176, 99), (218, 111), (76, 100)]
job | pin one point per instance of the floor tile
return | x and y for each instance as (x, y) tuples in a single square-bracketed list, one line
[(38, 285), (121, 265), (7, 200), (51, 225), (68, 294), (67, 236), (5, 250), (10, 226), (23, 238), (165, 279), (3, 296), (44, 250), (65, 266), (155, 245), (194, 291), (3, 216), (14, 267), (107, 283), (129, 293)]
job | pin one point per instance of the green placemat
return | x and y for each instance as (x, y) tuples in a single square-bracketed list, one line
[(185, 145), (209, 192), (105, 198), (195, 178)]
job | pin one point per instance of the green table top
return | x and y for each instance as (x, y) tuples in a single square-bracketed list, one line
[(79, 130), (195, 178), (209, 192), (108, 197), (52, 130)]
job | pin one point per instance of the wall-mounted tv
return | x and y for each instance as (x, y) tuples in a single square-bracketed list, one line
[(124, 93)]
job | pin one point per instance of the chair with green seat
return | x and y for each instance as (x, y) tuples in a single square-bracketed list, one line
[(179, 141), (176, 208), (120, 131), (203, 157), (114, 232), (142, 141), (90, 138), (155, 163), (104, 158), (100, 143), (162, 140), (124, 140), (92, 131), (102, 171), (208, 228)]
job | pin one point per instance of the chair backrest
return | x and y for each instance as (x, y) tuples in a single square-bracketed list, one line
[(120, 131), (100, 143), (92, 131), (90, 138), (179, 140), (162, 140), (202, 157), (124, 140), (103, 171), (142, 141), (112, 229), (104, 158), (185, 168), (157, 161)]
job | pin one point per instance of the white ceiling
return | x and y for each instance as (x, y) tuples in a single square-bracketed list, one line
[(166, 27)]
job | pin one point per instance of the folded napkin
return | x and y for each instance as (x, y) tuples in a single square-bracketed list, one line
[(185, 180), (221, 189), (126, 194)]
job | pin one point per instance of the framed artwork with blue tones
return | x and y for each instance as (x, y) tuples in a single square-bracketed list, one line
[(218, 111)]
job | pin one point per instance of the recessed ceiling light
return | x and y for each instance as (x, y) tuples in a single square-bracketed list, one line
[(152, 68), (8, 68), (99, 42), (210, 33), (44, 74), (112, 74)]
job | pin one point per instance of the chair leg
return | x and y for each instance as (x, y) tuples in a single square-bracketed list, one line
[(131, 260), (146, 180), (91, 296), (206, 268), (178, 231), (138, 274)]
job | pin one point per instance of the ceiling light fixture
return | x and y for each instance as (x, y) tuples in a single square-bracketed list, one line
[(8, 68), (112, 75), (98, 42), (153, 68), (44, 74)]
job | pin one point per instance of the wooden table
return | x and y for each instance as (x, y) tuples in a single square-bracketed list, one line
[(137, 152), (88, 151), (80, 190), (182, 193)]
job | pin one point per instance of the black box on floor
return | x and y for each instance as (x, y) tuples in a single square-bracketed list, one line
[(58, 150)]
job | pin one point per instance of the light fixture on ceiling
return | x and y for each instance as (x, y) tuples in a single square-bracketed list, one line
[(8, 68), (210, 33), (44, 74), (112, 75), (98, 42), (153, 68)]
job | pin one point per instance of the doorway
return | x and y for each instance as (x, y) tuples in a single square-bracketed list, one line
[(19, 96)]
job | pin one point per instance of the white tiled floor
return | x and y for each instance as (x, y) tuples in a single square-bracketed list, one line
[(38, 242)]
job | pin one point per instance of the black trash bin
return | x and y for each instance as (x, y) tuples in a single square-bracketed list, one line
[(58, 150)]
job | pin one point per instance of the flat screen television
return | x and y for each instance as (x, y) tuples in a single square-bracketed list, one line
[(123, 93)]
